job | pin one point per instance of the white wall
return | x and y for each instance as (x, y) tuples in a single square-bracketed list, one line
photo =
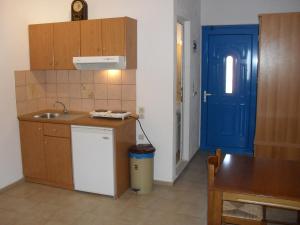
[(220, 12), (154, 74), (155, 70), (189, 11)]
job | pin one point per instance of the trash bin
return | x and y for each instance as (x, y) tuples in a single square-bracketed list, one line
[(141, 168)]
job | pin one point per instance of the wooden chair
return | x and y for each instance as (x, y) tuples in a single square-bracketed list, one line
[(272, 221), (233, 212)]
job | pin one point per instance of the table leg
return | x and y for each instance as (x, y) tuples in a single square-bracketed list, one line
[(214, 208)]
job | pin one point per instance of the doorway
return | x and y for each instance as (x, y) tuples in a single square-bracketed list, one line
[(179, 90), (229, 76)]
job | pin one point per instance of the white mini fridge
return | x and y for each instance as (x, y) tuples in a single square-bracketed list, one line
[(93, 159)]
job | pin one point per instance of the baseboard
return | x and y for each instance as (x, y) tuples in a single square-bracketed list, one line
[(22, 180), (185, 166), (164, 183), (180, 168)]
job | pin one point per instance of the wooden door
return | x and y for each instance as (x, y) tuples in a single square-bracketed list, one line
[(41, 46), (91, 43), (66, 44), (278, 117), (59, 161), (113, 37), (33, 156)]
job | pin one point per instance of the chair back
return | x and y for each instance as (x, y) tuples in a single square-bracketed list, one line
[(214, 163), (219, 155)]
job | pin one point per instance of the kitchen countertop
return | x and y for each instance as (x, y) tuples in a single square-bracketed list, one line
[(82, 119)]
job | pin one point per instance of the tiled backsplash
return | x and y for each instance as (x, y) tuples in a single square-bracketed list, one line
[(79, 90)]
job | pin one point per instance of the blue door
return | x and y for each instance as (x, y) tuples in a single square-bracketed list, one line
[(229, 77)]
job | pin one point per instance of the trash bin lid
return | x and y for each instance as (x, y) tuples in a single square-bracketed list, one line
[(142, 149)]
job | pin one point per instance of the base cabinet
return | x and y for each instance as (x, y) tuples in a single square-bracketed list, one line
[(32, 144), (58, 160), (95, 159), (46, 153)]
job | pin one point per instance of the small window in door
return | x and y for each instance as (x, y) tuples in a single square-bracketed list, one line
[(229, 75)]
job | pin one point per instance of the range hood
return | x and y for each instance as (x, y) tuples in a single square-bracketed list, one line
[(99, 62)]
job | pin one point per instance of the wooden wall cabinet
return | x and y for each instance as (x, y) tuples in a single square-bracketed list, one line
[(110, 37), (278, 101), (66, 44), (91, 42), (113, 36), (41, 46), (46, 153), (53, 46)]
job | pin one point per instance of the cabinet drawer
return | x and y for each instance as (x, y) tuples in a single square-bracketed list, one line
[(57, 130)]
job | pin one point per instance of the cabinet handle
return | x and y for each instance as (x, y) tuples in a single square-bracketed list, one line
[(39, 128)]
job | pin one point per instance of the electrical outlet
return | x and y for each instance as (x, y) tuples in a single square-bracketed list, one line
[(141, 137), (141, 112)]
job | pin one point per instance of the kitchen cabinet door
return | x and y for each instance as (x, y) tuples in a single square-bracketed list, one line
[(66, 44), (41, 46), (119, 37), (33, 156), (91, 43), (113, 37), (59, 161)]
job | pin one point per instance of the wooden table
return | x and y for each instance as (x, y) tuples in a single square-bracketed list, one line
[(254, 180)]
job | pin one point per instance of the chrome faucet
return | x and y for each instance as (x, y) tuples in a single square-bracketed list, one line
[(65, 108)]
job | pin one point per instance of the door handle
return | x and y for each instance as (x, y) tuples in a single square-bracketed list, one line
[(205, 95)]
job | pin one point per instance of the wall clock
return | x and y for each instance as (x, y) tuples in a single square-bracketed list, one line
[(79, 10)]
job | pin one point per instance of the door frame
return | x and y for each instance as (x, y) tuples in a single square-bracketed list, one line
[(182, 107), (253, 30), (186, 154)]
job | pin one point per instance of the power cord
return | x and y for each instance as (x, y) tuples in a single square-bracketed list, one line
[(137, 119)]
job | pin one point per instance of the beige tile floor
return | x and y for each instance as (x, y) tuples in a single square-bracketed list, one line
[(182, 204)]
